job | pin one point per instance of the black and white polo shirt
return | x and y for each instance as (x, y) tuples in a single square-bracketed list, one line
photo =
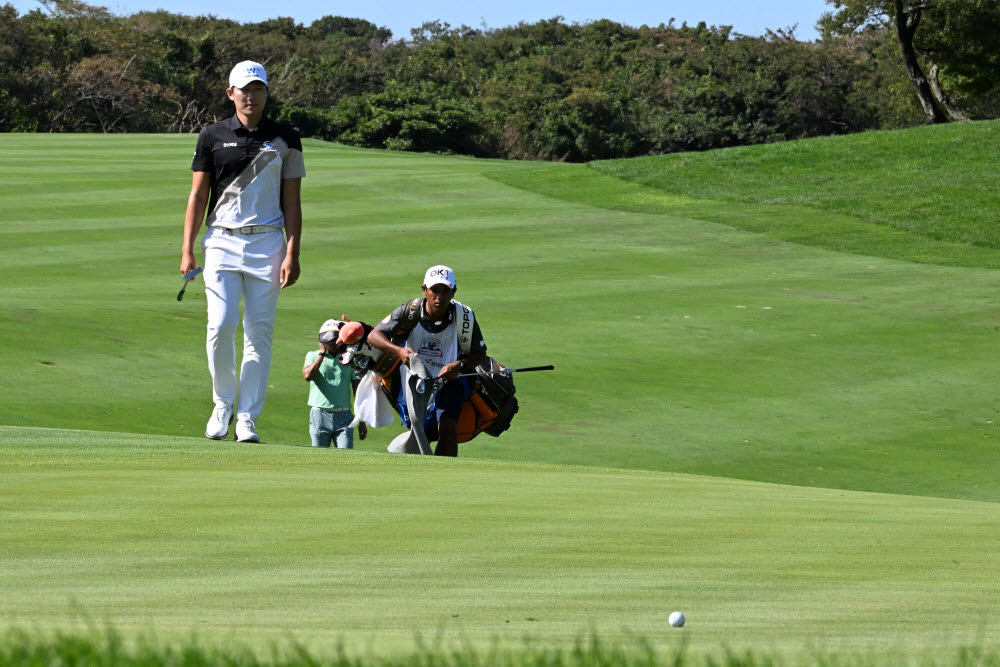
[(247, 168)]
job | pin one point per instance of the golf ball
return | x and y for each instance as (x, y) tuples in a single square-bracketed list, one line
[(676, 619)]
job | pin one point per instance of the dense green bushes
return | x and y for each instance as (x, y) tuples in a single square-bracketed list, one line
[(548, 90)]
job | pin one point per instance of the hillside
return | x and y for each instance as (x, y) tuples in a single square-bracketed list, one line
[(936, 183)]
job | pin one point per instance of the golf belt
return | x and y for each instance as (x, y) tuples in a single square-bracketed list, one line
[(250, 229)]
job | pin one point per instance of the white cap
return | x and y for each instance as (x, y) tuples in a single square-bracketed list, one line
[(245, 72), (328, 332), (439, 275)]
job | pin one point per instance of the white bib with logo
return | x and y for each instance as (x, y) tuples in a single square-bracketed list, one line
[(435, 350)]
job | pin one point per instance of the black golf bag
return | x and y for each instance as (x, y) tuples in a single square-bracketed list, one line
[(497, 393)]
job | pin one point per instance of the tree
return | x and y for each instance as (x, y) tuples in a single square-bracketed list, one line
[(403, 117), (110, 95), (955, 36), (902, 16), (960, 45), (547, 90), (334, 26)]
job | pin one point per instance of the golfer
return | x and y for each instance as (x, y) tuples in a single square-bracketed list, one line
[(330, 387), (445, 336), (247, 176)]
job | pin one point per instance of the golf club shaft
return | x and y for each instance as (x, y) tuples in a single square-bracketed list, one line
[(510, 370)]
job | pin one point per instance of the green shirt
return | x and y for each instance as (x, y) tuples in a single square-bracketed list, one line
[(332, 387)]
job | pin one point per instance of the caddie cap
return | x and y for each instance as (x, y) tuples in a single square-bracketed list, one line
[(328, 332), (440, 275), (245, 72)]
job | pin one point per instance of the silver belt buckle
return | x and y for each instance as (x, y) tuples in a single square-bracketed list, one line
[(247, 229)]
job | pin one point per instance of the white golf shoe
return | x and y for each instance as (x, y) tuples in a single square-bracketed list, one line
[(245, 431), (218, 424)]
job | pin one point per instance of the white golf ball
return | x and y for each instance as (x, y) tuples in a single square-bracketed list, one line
[(676, 619)]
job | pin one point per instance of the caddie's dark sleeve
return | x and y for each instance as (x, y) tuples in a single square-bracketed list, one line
[(478, 344), (390, 325), (203, 158)]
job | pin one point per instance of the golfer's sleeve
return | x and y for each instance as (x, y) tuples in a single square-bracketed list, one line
[(203, 160), (293, 165)]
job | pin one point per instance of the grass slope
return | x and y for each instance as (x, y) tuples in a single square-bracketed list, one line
[(935, 184), (256, 544), (680, 345)]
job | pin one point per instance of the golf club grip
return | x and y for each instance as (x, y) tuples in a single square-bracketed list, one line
[(550, 367)]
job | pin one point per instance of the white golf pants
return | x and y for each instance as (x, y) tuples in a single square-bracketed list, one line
[(246, 266)]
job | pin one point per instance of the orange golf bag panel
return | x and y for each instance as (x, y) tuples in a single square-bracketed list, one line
[(477, 415), (492, 404)]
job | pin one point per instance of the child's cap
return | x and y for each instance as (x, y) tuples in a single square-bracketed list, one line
[(328, 332)]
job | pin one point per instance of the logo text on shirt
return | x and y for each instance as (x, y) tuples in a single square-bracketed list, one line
[(431, 347)]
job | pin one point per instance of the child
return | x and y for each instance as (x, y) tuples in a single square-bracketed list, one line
[(330, 389)]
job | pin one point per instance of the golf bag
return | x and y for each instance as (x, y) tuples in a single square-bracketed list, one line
[(497, 392), (489, 406)]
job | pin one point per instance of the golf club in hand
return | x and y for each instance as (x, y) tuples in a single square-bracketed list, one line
[(500, 371), (504, 371), (188, 277)]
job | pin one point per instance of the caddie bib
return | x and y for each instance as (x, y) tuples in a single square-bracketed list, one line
[(435, 350)]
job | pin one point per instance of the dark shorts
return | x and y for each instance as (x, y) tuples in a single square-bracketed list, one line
[(448, 398), (451, 396)]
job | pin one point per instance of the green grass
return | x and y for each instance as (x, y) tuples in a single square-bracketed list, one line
[(105, 646), (933, 183), (679, 345), (263, 545), (769, 410)]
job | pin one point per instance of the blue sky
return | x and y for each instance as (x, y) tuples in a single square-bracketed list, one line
[(750, 17)]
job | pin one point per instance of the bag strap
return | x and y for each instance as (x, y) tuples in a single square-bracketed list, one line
[(408, 322), (466, 324)]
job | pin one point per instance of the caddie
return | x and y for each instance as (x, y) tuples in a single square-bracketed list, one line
[(247, 177), (444, 334)]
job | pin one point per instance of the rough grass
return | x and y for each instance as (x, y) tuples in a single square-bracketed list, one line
[(933, 183), (101, 647)]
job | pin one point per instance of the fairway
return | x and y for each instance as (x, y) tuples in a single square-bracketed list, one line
[(769, 410), (264, 543)]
